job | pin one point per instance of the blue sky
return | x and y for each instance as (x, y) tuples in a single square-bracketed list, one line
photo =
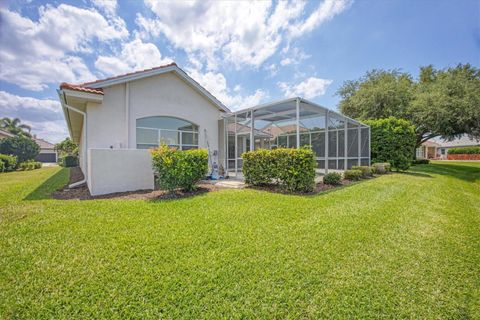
[(244, 53)]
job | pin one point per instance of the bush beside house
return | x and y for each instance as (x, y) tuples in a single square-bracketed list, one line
[(392, 140), (177, 169), (29, 165), (292, 169)]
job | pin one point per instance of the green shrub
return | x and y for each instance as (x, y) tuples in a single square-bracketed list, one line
[(9, 162), (420, 161), (178, 169), (69, 161), (332, 178), (464, 150), (293, 169), (366, 170), (353, 175), (29, 165), (258, 166), (2, 167), (392, 140), (22, 147)]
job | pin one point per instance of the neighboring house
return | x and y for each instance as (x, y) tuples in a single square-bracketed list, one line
[(47, 151), (438, 149), (5, 134), (115, 120)]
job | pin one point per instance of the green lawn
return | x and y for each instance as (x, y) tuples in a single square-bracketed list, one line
[(398, 246)]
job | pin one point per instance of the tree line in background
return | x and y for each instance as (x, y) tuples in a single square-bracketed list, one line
[(440, 103)]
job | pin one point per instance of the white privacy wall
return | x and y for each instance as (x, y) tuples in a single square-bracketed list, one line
[(119, 170)]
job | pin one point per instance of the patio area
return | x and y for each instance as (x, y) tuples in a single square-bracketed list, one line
[(338, 141)]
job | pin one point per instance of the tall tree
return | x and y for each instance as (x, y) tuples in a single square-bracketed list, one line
[(14, 126), (442, 103)]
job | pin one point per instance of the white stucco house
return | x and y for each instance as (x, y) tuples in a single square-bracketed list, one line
[(115, 121)]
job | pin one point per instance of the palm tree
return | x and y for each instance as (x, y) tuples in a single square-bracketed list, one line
[(15, 127)]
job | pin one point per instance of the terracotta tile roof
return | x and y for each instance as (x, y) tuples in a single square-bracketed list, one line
[(82, 88), (129, 74)]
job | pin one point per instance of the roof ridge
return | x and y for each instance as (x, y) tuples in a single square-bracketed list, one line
[(128, 74)]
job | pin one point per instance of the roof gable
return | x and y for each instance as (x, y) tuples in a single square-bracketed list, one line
[(97, 86)]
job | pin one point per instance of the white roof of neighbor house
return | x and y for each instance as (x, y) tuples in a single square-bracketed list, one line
[(463, 141), (43, 143), (5, 133)]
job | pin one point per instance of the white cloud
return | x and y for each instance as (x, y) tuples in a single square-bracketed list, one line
[(242, 33), (216, 84), (325, 11), (108, 6), (310, 88), (43, 115), (135, 55), (36, 53)]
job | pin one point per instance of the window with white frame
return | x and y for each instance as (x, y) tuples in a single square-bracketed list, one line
[(175, 132)]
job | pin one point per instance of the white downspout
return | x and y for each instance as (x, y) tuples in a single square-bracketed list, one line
[(84, 151)]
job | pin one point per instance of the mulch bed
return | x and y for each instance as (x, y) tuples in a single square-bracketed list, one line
[(82, 192), (319, 188)]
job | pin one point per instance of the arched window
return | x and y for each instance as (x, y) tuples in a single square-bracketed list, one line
[(152, 131)]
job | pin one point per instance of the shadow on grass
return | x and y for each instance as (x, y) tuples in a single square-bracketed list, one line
[(52, 184), (465, 172), (416, 174)]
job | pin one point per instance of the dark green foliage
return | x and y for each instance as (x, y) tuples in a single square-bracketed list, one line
[(67, 147), (15, 126), (2, 166), (22, 147), (464, 150), (69, 161), (392, 140), (9, 162), (353, 175), (29, 165), (332, 178), (366, 170), (420, 161), (178, 169), (441, 103), (293, 169), (258, 167)]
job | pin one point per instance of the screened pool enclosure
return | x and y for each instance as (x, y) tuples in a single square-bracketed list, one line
[(338, 141)]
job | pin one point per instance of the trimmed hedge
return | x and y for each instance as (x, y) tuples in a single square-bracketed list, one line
[(292, 169), (2, 167), (69, 161), (464, 150), (392, 140), (420, 161), (366, 170), (353, 175), (332, 178), (29, 165), (9, 162), (257, 167), (178, 169)]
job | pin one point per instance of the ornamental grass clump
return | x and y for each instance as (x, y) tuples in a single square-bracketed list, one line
[(178, 169)]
